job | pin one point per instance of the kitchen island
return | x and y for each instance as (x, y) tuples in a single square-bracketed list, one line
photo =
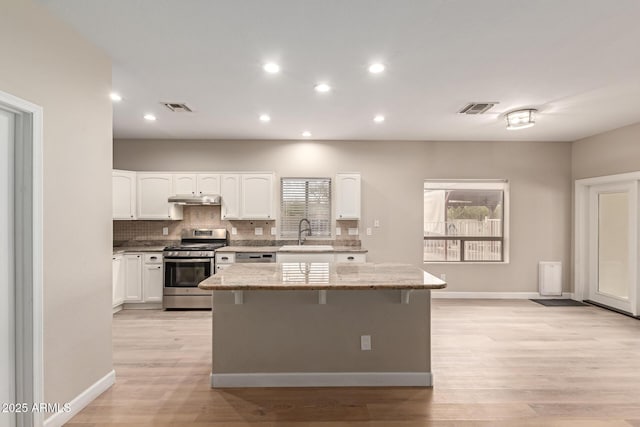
[(321, 324)]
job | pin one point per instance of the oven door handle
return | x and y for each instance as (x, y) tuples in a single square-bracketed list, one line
[(186, 261)]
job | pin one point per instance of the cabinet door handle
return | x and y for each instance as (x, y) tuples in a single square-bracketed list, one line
[(350, 258), (225, 258), (158, 268), (153, 257)]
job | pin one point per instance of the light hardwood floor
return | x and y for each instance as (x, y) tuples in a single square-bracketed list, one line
[(496, 363)]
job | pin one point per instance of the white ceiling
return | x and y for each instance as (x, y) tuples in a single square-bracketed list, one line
[(577, 61)]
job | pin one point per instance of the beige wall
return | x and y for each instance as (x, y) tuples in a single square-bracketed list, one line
[(609, 153), (392, 180), (47, 63)]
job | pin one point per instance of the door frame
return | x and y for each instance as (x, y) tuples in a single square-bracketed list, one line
[(583, 239), (28, 233)]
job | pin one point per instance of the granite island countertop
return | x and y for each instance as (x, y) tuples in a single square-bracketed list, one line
[(321, 276)]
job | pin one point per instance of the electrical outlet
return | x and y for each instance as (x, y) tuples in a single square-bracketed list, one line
[(258, 231), (443, 277), (234, 231), (338, 231), (376, 223), (365, 342), (273, 231), (165, 231), (353, 231), (369, 231)]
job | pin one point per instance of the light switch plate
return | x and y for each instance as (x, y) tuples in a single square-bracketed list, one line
[(369, 231), (258, 231), (338, 231), (353, 231), (376, 223), (165, 231), (365, 342), (234, 231), (273, 231)]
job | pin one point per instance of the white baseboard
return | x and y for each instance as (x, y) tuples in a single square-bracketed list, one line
[(80, 401), (496, 295), (323, 379)]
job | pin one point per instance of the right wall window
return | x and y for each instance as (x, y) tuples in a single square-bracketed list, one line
[(465, 220)]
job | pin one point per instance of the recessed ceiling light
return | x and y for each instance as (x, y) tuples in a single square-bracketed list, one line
[(376, 68), (521, 119), (150, 117), (265, 118), (115, 97), (322, 87), (271, 67), (306, 134), (379, 118)]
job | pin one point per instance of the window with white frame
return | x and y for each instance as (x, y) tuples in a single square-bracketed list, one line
[(308, 198), (465, 220)]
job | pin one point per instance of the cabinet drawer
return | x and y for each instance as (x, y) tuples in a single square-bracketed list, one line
[(225, 258), (350, 257), (154, 258)]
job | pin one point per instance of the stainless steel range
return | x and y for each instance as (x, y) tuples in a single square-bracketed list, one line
[(189, 264)]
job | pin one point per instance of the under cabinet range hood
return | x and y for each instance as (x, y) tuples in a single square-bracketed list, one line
[(190, 199)]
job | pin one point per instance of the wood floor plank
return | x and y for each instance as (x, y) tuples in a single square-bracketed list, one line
[(502, 363)]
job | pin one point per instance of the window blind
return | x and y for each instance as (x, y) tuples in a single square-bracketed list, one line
[(308, 198)]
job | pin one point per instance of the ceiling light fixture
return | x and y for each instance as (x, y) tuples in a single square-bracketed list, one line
[(265, 118), (322, 87), (115, 97), (521, 119), (306, 134), (379, 118), (150, 117), (271, 67), (376, 68)]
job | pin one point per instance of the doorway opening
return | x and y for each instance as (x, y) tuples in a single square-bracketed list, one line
[(21, 267)]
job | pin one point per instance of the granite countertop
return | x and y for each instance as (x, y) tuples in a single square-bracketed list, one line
[(123, 249), (227, 249), (336, 249), (321, 276)]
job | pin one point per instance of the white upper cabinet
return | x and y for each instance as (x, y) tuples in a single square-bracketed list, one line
[(347, 196), (196, 184), (230, 192), (124, 194), (208, 183), (154, 190), (257, 196), (184, 184)]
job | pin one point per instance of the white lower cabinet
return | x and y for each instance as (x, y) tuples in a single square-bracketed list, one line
[(143, 277), (117, 281), (132, 277), (152, 283), (224, 260), (351, 257)]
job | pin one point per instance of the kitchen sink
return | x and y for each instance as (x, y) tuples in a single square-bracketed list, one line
[(306, 248)]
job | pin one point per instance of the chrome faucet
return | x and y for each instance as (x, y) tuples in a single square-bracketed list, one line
[(301, 230)]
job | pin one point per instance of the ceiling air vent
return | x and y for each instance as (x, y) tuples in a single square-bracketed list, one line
[(177, 107), (477, 107)]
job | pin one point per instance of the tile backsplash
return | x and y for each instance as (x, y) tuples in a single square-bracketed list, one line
[(130, 232)]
